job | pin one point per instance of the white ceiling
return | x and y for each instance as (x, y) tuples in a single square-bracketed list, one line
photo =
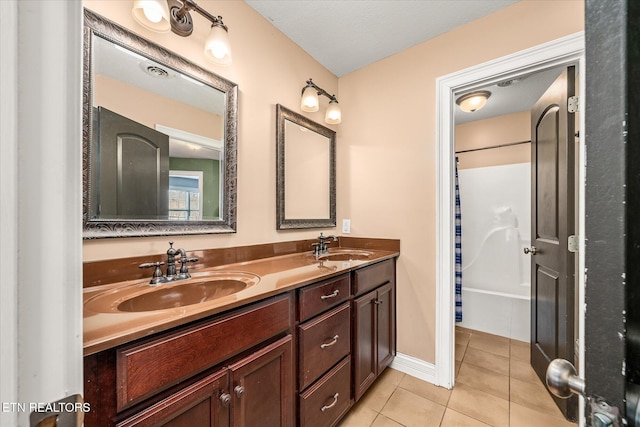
[(345, 35)]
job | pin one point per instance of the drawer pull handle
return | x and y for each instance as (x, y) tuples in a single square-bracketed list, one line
[(331, 295), (239, 390), (332, 404), (329, 344)]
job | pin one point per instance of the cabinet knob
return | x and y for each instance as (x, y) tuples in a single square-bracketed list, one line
[(239, 390), (225, 399)]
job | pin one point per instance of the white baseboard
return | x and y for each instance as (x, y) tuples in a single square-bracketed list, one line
[(415, 367)]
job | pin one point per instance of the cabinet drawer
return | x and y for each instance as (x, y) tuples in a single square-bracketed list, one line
[(317, 298), (371, 277), (323, 342), (328, 399), (146, 368)]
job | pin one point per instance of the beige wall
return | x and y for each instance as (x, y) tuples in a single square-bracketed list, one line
[(386, 152), (151, 109), (385, 144), (269, 69), (507, 129)]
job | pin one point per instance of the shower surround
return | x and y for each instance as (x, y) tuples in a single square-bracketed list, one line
[(496, 226)]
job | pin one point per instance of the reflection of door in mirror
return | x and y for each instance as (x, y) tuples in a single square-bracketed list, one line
[(133, 171)]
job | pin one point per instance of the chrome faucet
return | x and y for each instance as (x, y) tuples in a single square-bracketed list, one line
[(171, 276), (321, 248)]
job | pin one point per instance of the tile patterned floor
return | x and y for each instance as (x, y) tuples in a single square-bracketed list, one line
[(495, 386)]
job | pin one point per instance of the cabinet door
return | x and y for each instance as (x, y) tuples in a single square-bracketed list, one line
[(364, 348), (386, 327), (198, 405), (262, 387)]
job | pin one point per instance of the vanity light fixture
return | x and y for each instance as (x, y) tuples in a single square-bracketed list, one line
[(164, 15), (311, 103), (473, 101)]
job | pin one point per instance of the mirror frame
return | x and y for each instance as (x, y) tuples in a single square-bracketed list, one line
[(98, 26), (283, 223)]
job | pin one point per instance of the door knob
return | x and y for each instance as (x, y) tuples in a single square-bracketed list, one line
[(563, 380), (532, 250)]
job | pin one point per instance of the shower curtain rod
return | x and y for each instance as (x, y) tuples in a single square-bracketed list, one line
[(493, 146)]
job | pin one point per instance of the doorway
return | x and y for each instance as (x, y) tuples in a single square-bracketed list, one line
[(568, 50)]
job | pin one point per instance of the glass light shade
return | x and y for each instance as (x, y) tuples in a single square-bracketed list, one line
[(152, 14), (333, 115), (473, 101), (310, 102), (217, 48)]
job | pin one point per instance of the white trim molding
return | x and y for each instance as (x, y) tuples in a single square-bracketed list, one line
[(9, 209), (415, 367), (563, 51), (47, 180)]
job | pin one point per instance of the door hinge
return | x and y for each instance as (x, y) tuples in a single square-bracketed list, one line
[(601, 414), (572, 243), (573, 104)]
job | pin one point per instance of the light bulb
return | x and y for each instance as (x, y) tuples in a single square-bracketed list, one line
[(217, 48), (310, 102), (474, 101), (152, 14), (333, 115)]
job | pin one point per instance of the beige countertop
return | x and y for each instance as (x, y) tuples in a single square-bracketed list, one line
[(106, 327)]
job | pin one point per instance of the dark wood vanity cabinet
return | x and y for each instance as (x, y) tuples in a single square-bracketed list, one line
[(324, 348), (256, 390), (235, 369), (200, 404), (297, 359), (262, 387), (374, 323)]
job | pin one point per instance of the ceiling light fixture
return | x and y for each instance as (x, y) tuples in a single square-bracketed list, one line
[(311, 103), (473, 101), (164, 15)]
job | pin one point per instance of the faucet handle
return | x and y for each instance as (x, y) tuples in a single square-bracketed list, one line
[(184, 271), (157, 273)]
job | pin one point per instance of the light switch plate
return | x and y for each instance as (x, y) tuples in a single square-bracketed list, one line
[(346, 226)]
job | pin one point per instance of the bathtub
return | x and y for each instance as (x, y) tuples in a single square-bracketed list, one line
[(496, 274)]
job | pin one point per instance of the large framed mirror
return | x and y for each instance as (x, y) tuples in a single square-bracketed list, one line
[(306, 172), (159, 139)]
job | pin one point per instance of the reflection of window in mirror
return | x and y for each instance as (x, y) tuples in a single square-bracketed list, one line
[(197, 154), (185, 189)]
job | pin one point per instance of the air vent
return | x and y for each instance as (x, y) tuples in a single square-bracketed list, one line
[(510, 82), (155, 70)]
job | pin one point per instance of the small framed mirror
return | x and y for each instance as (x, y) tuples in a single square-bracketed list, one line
[(306, 172), (159, 139)]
